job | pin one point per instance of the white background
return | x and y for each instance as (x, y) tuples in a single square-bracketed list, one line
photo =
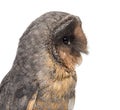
[(98, 86)]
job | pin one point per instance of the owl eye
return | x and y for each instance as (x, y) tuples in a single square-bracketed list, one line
[(66, 40)]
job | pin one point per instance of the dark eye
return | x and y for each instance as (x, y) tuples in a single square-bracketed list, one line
[(66, 40)]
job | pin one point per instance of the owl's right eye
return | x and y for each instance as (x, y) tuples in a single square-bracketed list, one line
[(66, 40)]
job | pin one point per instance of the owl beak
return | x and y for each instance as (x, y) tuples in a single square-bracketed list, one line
[(85, 51)]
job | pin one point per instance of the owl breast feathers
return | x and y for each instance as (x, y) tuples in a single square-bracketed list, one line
[(43, 74)]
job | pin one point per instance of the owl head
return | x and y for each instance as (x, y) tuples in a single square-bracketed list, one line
[(58, 33)]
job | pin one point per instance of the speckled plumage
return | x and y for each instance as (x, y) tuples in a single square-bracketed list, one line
[(43, 74)]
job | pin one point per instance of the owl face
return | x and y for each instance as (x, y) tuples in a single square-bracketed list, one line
[(70, 40)]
